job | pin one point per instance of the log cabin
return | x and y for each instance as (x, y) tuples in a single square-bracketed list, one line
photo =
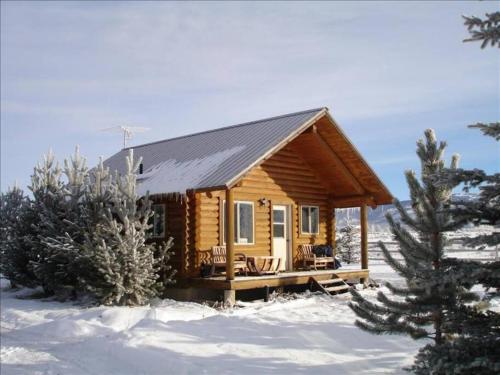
[(270, 185)]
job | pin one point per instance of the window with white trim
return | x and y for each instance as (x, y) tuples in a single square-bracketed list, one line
[(157, 221), (309, 219), (243, 223)]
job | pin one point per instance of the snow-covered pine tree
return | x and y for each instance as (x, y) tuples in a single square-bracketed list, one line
[(15, 226), (98, 199), (48, 200), (63, 231), (474, 347), (127, 267), (347, 247), (421, 308)]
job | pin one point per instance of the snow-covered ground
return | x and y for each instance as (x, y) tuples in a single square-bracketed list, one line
[(308, 333), (311, 334)]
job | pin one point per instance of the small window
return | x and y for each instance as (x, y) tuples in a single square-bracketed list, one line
[(310, 219), (278, 224), (157, 221), (243, 223)]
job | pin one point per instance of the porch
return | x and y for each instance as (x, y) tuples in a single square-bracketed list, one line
[(279, 280), (230, 282)]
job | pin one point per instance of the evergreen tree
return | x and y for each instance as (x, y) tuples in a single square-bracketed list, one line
[(474, 348), (15, 225), (127, 267), (433, 291), (97, 201), (88, 234), (46, 186), (347, 248), (60, 211)]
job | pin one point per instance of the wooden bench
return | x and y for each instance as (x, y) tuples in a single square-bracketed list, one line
[(310, 259), (219, 258), (263, 265)]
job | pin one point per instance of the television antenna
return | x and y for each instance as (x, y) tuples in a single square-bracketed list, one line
[(128, 131)]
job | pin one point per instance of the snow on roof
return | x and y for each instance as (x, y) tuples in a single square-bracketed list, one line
[(181, 176), (212, 158)]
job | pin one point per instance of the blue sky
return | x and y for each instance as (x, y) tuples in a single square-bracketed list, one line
[(387, 71)]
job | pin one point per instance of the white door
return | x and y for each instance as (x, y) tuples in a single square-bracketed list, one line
[(280, 235)]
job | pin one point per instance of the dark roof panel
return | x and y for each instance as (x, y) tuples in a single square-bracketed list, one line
[(213, 158)]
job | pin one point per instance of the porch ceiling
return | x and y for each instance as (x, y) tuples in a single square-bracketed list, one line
[(349, 179)]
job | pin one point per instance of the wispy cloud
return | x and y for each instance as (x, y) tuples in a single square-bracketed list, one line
[(182, 67)]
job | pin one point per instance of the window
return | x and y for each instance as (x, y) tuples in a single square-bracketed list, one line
[(310, 219), (243, 223), (157, 221), (278, 223)]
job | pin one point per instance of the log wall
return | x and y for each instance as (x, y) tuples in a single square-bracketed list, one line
[(286, 179)]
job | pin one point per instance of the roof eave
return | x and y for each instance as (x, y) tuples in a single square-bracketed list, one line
[(384, 188), (233, 181)]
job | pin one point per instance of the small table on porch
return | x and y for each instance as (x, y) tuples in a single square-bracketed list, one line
[(263, 265)]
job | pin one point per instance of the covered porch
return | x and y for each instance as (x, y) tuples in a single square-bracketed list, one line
[(230, 282), (280, 208)]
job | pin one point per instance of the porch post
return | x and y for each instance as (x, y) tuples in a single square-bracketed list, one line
[(333, 229), (364, 235), (229, 234), (293, 232)]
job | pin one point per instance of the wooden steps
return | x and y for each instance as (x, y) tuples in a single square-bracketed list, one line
[(332, 286)]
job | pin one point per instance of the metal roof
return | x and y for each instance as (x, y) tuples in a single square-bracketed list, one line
[(214, 158)]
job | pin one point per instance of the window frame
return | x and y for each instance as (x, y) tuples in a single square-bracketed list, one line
[(152, 234), (237, 226), (309, 206)]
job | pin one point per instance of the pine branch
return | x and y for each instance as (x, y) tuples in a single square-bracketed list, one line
[(485, 30), (491, 129), (399, 267)]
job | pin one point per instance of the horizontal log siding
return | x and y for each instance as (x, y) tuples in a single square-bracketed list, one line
[(175, 227), (289, 179), (282, 179)]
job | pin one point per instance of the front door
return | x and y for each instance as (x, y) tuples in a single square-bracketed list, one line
[(280, 235)]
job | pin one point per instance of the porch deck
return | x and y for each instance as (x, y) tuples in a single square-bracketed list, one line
[(282, 279)]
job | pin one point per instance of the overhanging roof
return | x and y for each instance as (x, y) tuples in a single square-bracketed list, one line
[(219, 158)]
